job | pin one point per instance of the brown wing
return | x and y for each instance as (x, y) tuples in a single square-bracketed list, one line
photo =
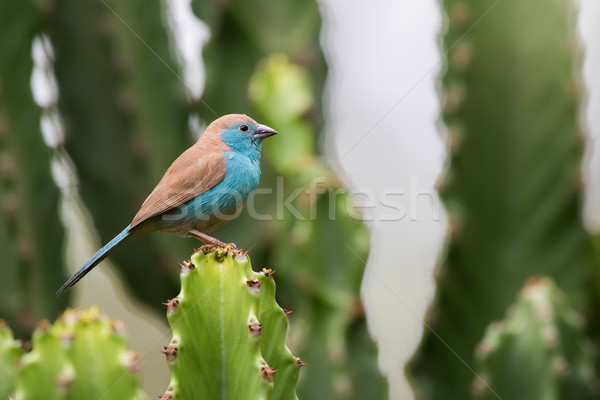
[(197, 170)]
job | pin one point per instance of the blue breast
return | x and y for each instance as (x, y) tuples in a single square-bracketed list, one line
[(243, 174)]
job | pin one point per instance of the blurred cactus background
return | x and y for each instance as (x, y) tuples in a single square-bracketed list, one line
[(513, 192), (122, 107), (83, 355), (98, 97)]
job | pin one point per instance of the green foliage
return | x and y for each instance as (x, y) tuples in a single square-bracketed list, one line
[(82, 356), (228, 332), (512, 189), (31, 233), (538, 351)]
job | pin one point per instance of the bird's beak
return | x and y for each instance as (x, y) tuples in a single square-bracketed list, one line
[(263, 131)]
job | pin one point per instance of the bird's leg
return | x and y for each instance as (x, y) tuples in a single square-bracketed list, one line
[(209, 240)]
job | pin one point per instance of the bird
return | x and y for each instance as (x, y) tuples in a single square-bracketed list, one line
[(202, 190)]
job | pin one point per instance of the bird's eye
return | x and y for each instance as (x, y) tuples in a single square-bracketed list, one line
[(243, 128)]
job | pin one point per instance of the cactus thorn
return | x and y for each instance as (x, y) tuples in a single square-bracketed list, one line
[(267, 372), (10, 206), (93, 314), (483, 349), (170, 352), (166, 396), (356, 309), (67, 337), (287, 312), (268, 272), (550, 336), (454, 97), (478, 388), (300, 363), (254, 285), (561, 366), (135, 362), (26, 345), (171, 305), (255, 328), (63, 382), (44, 325), (3, 323), (207, 248), (186, 266), (460, 13), (117, 326), (8, 166)]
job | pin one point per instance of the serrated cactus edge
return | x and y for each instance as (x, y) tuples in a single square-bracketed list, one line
[(10, 353), (82, 356), (228, 332)]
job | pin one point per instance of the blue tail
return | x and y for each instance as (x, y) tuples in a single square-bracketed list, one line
[(95, 260)]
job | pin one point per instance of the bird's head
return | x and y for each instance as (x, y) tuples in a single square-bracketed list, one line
[(240, 132)]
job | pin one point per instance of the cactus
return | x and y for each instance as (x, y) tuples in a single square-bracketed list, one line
[(321, 246), (538, 351), (159, 112), (122, 99), (512, 189), (138, 114), (288, 26), (10, 352), (119, 102), (82, 356), (102, 127), (31, 232), (228, 332)]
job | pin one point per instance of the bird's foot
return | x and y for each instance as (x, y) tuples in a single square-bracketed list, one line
[(209, 240), (213, 245)]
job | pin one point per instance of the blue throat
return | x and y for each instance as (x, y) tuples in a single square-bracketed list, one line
[(242, 176)]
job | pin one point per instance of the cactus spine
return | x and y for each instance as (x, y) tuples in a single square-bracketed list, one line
[(228, 332)]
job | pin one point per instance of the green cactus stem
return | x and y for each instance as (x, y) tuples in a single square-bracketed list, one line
[(82, 356), (538, 351), (326, 250), (31, 232), (228, 332), (512, 188), (10, 352)]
